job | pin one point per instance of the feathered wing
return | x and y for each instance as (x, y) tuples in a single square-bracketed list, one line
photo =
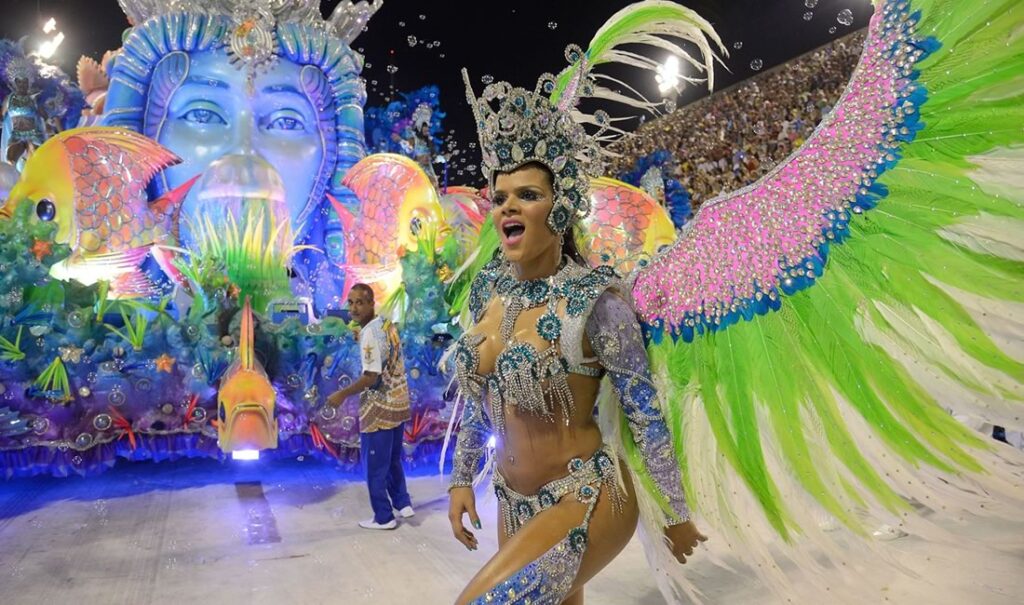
[(811, 330), (657, 24)]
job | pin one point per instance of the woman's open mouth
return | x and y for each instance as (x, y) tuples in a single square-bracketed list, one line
[(512, 231)]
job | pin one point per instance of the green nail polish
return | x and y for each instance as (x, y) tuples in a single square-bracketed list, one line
[(476, 524)]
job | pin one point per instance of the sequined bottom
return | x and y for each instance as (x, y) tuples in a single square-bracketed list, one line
[(548, 579), (27, 135)]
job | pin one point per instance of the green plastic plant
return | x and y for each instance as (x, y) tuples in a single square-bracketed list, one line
[(11, 351), (254, 252), (135, 327), (55, 378)]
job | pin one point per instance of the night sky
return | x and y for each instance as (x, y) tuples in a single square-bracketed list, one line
[(514, 41)]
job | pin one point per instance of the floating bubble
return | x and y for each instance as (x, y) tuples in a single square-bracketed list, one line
[(808, 16), (412, 40), (737, 45), (368, 65), (401, 24), (442, 55), (423, 17), (670, 105), (552, 25), (392, 69), (810, 3), (832, 29), (487, 79), (756, 64), (845, 17)]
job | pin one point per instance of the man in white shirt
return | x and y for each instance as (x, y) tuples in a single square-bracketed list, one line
[(383, 410)]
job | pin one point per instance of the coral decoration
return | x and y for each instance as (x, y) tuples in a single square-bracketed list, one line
[(41, 249), (320, 441), (125, 425)]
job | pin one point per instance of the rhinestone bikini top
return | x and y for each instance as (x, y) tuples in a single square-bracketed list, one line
[(529, 379)]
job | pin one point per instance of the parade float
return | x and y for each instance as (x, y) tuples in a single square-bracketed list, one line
[(173, 274)]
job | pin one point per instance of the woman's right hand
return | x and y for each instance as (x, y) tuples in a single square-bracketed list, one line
[(462, 500)]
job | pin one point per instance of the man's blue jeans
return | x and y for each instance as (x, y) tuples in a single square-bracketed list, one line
[(381, 453)]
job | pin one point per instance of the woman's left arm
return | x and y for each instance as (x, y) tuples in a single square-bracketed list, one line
[(614, 335)]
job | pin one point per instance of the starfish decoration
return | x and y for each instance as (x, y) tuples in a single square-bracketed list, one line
[(41, 249), (164, 363)]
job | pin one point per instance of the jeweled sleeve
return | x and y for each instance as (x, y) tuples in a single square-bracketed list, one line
[(614, 334), (471, 445)]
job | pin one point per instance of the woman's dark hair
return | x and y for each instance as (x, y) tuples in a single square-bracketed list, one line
[(568, 242)]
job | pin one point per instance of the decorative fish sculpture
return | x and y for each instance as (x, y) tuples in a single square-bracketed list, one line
[(246, 399), (397, 203), (92, 183)]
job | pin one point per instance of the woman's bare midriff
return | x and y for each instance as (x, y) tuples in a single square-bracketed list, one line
[(535, 451)]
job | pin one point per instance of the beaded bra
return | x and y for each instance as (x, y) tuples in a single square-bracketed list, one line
[(528, 379)]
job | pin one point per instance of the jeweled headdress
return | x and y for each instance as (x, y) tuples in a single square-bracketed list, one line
[(517, 126), (18, 68), (422, 115)]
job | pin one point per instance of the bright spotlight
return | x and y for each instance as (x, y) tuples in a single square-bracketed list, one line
[(492, 441), (48, 48), (667, 76), (50, 26), (245, 455)]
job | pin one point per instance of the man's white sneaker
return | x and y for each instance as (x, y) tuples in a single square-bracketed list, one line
[(371, 524), (407, 512)]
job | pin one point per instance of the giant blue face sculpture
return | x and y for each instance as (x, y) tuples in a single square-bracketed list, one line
[(180, 81), (282, 115)]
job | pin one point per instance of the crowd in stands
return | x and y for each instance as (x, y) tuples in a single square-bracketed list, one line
[(733, 137)]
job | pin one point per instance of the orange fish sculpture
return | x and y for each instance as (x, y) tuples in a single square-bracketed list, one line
[(92, 182), (246, 399)]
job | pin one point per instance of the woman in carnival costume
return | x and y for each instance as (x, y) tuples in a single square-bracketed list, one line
[(799, 401), (423, 150), (22, 119)]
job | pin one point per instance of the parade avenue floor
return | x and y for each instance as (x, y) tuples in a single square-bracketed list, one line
[(200, 531)]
